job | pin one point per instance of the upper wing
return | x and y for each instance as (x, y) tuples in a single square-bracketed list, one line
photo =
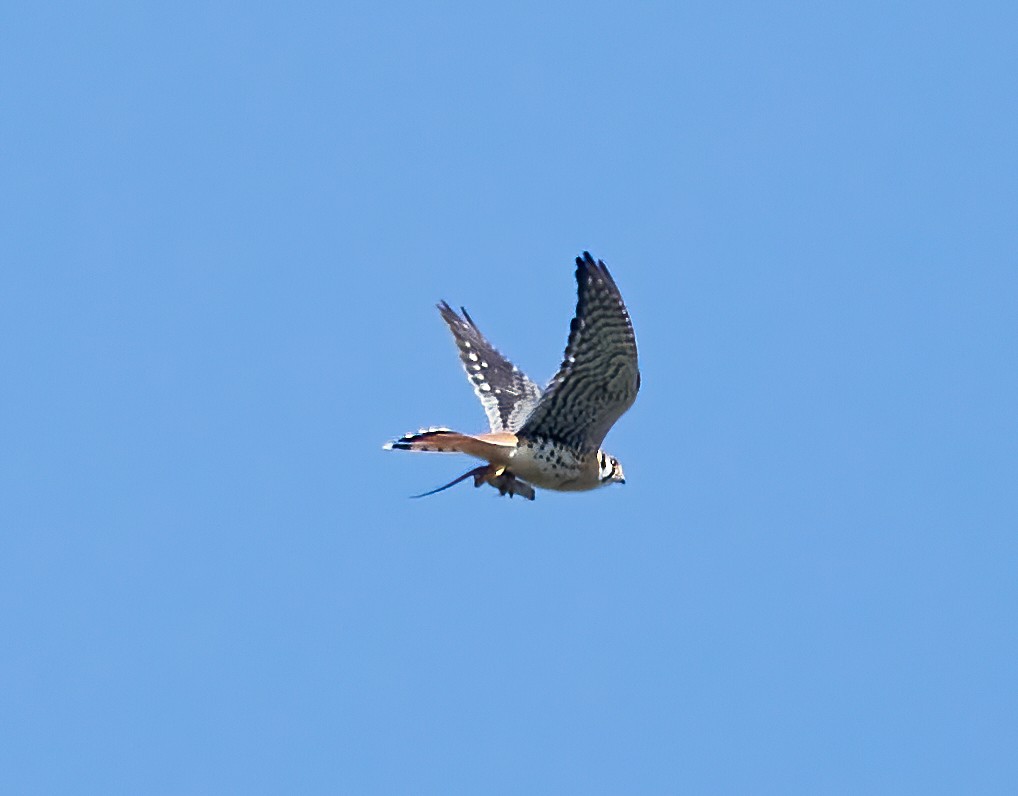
[(506, 394), (600, 376)]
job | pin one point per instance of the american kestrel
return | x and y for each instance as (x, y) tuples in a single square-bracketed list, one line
[(552, 438)]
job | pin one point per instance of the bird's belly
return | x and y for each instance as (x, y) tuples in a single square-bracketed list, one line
[(554, 467)]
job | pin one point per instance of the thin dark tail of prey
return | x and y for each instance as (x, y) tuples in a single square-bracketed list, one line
[(477, 473)]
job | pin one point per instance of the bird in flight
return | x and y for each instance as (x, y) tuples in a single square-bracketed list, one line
[(547, 438)]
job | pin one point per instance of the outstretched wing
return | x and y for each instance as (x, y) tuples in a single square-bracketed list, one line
[(506, 394), (600, 376)]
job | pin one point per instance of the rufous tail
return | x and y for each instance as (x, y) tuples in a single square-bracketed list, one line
[(433, 440), (495, 448)]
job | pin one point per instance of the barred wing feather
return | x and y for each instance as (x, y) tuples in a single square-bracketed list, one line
[(505, 392), (600, 375)]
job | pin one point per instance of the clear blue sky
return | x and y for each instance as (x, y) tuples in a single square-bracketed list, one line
[(223, 234)]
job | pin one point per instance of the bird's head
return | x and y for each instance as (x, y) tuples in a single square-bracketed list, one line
[(609, 469)]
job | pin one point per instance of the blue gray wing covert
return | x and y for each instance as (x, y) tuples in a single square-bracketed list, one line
[(600, 375), (505, 392)]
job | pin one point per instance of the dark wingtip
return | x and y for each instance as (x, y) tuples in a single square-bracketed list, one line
[(449, 315), (587, 263)]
